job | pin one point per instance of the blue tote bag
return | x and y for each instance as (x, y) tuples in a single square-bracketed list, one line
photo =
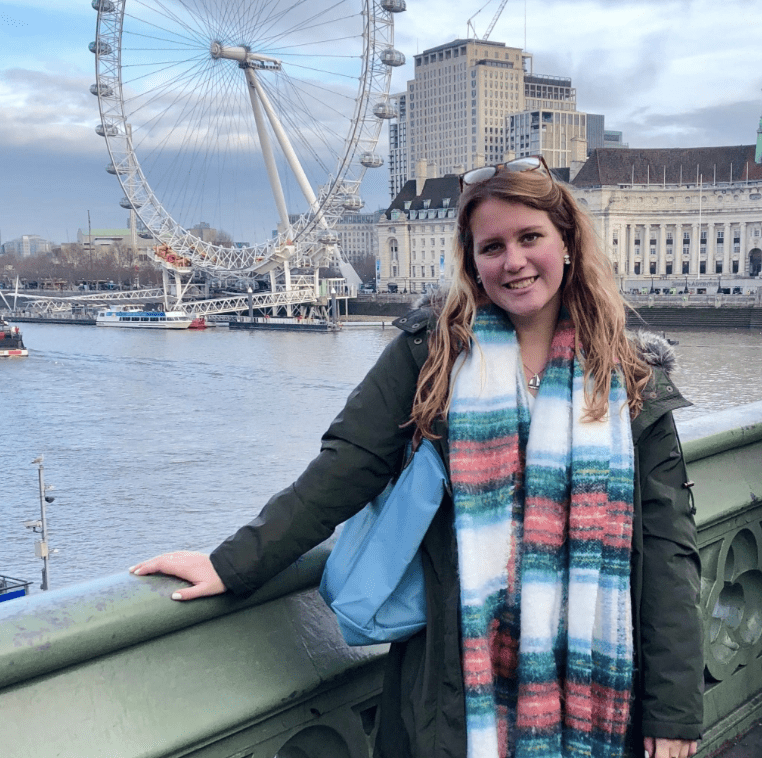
[(373, 579)]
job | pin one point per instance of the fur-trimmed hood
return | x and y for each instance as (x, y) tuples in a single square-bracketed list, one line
[(656, 351)]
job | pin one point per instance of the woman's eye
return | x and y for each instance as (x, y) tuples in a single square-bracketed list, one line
[(531, 237), (491, 248)]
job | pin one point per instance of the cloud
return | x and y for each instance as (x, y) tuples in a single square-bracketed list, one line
[(714, 125)]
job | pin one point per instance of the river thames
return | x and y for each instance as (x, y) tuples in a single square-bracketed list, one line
[(163, 440)]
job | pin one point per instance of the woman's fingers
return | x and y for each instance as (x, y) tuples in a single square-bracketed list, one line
[(195, 568), (660, 747)]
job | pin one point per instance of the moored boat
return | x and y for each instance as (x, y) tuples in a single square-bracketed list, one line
[(137, 319), (11, 343), (198, 323)]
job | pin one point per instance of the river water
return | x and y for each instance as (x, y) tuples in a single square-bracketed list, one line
[(164, 440)]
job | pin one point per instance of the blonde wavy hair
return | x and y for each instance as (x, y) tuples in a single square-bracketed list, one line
[(588, 291)]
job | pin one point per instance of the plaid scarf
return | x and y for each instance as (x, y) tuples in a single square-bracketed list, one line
[(543, 515)]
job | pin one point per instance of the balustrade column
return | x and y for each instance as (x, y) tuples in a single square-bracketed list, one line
[(661, 257), (711, 241), (645, 248), (630, 249), (742, 252), (695, 248), (727, 248)]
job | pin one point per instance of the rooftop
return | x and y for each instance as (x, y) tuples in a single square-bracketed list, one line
[(677, 165)]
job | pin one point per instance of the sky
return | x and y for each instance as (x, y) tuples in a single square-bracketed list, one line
[(667, 73)]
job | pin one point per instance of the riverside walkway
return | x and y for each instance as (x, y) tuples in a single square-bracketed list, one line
[(112, 668)]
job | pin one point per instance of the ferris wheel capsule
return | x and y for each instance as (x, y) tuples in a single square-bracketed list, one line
[(384, 109), (352, 202), (328, 237), (371, 160), (102, 90), (100, 47), (106, 130), (117, 171), (130, 205), (392, 57), (103, 6), (394, 6)]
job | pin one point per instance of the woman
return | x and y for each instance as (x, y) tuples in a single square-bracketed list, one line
[(568, 525)]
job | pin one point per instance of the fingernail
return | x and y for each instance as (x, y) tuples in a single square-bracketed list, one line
[(135, 571), (131, 569), (176, 596)]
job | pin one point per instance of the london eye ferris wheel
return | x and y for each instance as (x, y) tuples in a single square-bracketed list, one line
[(258, 118)]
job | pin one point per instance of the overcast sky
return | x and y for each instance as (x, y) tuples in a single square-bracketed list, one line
[(667, 73)]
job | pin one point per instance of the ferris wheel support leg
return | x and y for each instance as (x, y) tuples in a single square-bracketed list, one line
[(274, 309), (285, 145), (267, 150), (165, 282), (287, 285)]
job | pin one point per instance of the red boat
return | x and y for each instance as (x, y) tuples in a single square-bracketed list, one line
[(198, 323), (11, 344)]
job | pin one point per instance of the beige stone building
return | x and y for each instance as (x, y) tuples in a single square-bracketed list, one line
[(677, 215), (415, 234), (456, 113)]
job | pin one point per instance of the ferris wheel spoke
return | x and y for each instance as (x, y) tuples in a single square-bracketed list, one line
[(310, 23), (169, 15)]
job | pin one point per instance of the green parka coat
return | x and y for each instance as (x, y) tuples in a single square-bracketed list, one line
[(423, 707)]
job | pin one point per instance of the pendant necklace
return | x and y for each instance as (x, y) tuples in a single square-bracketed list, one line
[(534, 382)]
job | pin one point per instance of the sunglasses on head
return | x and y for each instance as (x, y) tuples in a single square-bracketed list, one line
[(518, 165)]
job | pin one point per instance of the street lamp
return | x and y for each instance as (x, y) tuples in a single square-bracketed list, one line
[(652, 286), (41, 549)]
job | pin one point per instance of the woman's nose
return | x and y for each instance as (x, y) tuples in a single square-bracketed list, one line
[(514, 258)]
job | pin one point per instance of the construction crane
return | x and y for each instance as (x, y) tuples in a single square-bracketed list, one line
[(469, 24), (494, 19)]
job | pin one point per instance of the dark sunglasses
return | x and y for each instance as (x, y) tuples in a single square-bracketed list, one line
[(518, 165)]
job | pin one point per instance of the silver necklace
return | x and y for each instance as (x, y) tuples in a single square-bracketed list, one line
[(534, 381)]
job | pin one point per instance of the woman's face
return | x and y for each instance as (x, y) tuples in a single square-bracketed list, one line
[(519, 255)]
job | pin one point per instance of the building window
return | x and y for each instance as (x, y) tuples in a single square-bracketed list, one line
[(702, 267), (686, 267), (637, 267), (669, 269), (652, 267), (718, 267), (735, 267)]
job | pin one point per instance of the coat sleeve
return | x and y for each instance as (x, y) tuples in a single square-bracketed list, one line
[(670, 619), (359, 453)]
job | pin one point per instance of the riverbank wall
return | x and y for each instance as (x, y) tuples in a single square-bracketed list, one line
[(651, 313)]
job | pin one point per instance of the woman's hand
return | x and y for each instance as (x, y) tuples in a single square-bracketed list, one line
[(660, 747), (195, 568)]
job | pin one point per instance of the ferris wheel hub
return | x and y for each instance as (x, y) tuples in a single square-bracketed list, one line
[(244, 56)]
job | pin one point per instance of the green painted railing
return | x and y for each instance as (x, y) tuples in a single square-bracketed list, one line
[(114, 669), (724, 456)]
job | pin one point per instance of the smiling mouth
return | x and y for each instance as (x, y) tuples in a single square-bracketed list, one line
[(521, 283)]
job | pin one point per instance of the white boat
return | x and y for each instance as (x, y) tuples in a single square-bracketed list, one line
[(137, 319)]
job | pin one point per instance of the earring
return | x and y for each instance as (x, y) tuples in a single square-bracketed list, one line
[(567, 259), (478, 279)]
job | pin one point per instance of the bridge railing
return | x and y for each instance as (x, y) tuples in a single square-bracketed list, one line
[(114, 668), (724, 455)]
